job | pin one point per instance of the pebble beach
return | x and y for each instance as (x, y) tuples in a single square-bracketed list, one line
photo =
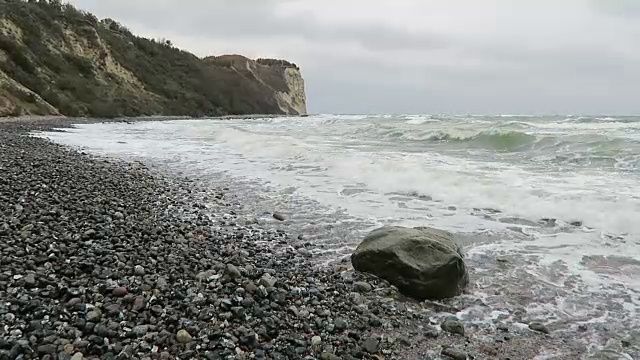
[(104, 259)]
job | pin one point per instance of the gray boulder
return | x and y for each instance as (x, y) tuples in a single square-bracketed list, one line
[(423, 263)]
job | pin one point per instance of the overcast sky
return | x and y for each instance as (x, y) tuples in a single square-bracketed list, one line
[(419, 56)]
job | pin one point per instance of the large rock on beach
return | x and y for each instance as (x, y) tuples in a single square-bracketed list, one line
[(424, 263)]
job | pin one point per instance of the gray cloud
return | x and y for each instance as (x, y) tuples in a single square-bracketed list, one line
[(618, 7), (256, 20), (420, 56)]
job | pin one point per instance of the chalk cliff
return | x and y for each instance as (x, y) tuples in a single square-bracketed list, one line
[(56, 59), (281, 80)]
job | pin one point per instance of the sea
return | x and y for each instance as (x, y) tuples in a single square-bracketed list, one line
[(546, 207)]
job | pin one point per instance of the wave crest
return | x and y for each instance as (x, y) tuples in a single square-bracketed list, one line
[(490, 139)]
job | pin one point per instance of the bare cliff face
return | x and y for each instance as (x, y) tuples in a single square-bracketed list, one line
[(55, 59), (295, 99)]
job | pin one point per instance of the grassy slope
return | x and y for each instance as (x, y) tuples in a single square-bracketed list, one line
[(54, 56)]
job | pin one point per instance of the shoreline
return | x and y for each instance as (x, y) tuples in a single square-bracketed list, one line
[(90, 223), (62, 118)]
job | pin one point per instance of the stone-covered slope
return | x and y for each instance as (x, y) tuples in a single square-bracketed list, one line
[(55, 59)]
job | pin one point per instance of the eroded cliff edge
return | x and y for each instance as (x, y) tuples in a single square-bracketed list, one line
[(56, 59), (280, 79)]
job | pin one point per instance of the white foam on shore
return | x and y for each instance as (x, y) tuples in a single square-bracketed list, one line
[(322, 168)]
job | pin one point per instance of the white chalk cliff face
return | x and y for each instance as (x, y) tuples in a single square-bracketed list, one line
[(294, 101)]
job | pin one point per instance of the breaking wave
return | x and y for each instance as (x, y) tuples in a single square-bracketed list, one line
[(489, 139), (493, 139)]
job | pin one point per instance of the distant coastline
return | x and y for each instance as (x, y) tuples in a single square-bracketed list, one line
[(45, 118)]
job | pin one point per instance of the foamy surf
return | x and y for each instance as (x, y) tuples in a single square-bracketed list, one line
[(546, 206)]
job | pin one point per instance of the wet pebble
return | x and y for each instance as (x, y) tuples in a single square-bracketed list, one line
[(539, 327), (453, 326), (454, 353), (371, 345), (362, 287)]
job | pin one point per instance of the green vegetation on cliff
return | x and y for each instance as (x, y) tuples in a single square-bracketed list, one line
[(55, 58)]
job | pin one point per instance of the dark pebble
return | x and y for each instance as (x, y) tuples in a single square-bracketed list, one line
[(340, 324), (362, 287), (539, 327), (454, 353), (47, 349), (371, 345), (431, 332), (120, 291), (453, 327)]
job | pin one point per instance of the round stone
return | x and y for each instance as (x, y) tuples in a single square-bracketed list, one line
[(183, 336), (138, 270), (316, 341), (120, 291)]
